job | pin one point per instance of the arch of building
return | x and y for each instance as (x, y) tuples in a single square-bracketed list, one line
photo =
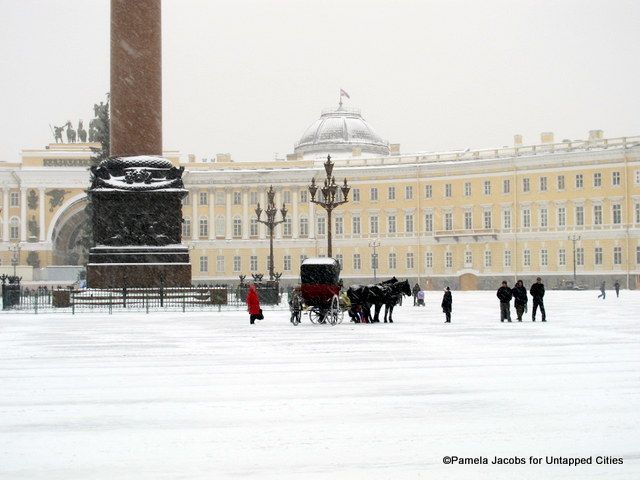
[(67, 232)]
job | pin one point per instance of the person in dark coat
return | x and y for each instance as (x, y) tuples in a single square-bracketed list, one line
[(520, 298), (357, 314), (504, 295), (415, 290), (253, 305), (537, 292), (603, 292), (617, 287), (447, 302)]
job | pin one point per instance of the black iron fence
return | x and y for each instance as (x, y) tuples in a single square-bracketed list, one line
[(137, 299)]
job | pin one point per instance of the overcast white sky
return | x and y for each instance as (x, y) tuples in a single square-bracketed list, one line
[(247, 77)]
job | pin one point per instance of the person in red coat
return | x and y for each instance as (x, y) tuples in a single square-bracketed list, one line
[(253, 305)]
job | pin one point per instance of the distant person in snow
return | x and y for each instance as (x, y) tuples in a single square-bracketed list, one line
[(504, 295), (617, 287), (520, 298), (537, 292), (421, 298), (253, 305), (415, 290), (603, 292), (446, 305)]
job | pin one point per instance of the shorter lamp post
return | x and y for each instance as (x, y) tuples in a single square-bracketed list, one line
[(574, 238), (271, 223), (15, 256), (374, 260)]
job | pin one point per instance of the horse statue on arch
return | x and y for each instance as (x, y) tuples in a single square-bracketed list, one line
[(71, 133), (82, 133)]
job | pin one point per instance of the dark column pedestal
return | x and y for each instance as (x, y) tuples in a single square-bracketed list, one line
[(137, 225)]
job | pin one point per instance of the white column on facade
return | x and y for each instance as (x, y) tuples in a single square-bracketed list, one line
[(5, 214), (312, 220), (23, 214), (263, 202), (229, 219), (212, 213), (245, 213), (195, 223), (295, 216), (41, 207), (278, 202)]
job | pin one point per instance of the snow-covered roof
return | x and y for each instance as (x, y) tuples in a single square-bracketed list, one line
[(341, 129), (319, 261)]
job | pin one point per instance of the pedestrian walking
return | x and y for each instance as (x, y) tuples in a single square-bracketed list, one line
[(537, 292), (446, 304), (253, 305), (617, 287), (415, 290), (603, 292), (520, 298), (504, 295)]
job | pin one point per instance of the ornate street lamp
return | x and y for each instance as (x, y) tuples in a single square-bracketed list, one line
[(271, 223), (374, 260), (574, 238), (15, 256), (328, 199)]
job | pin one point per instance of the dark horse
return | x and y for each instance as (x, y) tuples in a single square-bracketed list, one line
[(376, 295), (393, 296)]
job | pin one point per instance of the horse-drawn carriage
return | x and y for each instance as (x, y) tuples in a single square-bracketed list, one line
[(318, 293)]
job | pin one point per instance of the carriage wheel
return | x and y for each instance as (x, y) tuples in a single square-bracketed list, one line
[(333, 314), (316, 315)]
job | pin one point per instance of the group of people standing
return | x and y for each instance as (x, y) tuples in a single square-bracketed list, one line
[(519, 295), (505, 294)]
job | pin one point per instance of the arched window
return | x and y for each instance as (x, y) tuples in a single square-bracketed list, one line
[(186, 227), (220, 226), (237, 227), (203, 227)]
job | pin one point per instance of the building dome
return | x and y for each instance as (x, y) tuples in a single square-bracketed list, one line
[(340, 132)]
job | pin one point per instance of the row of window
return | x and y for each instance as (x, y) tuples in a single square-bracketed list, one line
[(374, 226), (543, 217), (236, 197), (408, 193), (409, 260), (543, 184)]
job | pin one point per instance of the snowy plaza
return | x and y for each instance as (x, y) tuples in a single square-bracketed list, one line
[(206, 395)]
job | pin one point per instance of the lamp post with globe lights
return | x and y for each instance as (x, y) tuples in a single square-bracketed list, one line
[(374, 260), (15, 256), (271, 222), (328, 200), (574, 238)]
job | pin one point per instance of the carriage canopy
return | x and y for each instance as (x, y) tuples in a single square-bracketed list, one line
[(322, 271)]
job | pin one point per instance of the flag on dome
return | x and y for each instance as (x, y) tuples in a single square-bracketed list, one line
[(344, 94)]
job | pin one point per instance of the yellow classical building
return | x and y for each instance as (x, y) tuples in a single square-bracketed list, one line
[(467, 219)]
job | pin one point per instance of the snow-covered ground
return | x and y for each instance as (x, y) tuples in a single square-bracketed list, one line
[(206, 395)]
